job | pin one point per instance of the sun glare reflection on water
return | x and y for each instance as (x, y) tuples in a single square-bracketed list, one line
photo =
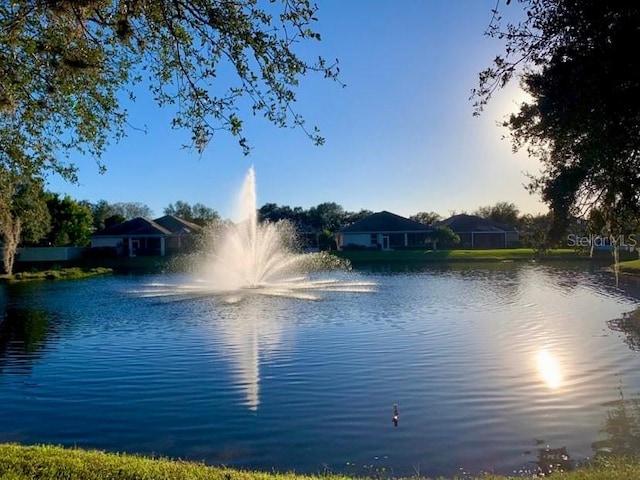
[(549, 369)]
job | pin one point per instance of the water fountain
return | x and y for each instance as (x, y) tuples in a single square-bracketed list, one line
[(252, 258)]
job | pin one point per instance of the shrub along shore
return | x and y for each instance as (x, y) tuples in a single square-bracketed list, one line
[(47, 462)]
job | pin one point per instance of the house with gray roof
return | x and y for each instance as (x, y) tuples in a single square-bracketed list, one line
[(384, 231), (478, 232), (144, 237)]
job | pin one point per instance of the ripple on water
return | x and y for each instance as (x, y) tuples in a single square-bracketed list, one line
[(482, 363)]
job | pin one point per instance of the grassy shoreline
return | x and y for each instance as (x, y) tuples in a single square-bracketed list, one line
[(48, 462), (70, 273), (631, 267), (494, 255), (92, 267)]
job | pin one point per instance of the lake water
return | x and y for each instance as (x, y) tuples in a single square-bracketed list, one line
[(492, 368)]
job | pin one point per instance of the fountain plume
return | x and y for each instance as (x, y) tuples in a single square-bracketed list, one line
[(250, 257)]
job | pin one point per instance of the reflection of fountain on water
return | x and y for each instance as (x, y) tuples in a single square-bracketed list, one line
[(259, 258), (248, 258), (249, 337)]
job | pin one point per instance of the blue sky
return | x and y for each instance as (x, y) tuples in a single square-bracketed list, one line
[(399, 137)]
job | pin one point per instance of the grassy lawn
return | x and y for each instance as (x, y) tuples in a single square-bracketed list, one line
[(91, 267), (630, 266), (495, 255), (46, 462)]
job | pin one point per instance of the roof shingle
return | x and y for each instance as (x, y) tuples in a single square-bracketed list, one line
[(385, 222), (136, 226), (464, 223)]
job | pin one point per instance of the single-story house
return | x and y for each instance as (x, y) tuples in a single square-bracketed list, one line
[(384, 231), (478, 232), (142, 236)]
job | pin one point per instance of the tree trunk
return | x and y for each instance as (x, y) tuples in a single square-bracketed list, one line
[(10, 229)]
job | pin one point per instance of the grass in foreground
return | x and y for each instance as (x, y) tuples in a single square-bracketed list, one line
[(56, 463)]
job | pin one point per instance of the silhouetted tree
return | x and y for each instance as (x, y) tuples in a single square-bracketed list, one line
[(445, 237), (203, 215), (328, 216), (131, 210), (272, 212), (326, 241), (581, 122), (325, 216), (113, 220), (534, 232), (352, 217), (106, 214), (502, 212), (426, 218), (196, 213)]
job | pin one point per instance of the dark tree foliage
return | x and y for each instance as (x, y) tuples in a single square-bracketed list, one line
[(197, 213), (327, 216), (65, 64), (577, 60), (71, 222), (502, 212), (272, 212), (444, 237), (100, 211), (113, 220), (131, 210), (352, 217), (426, 218), (23, 213), (106, 214)]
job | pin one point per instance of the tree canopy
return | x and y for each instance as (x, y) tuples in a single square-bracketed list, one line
[(71, 222), (197, 213), (426, 218), (106, 214), (23, 213), (501, 212), (445, 237), (67, 65), (575, 60)]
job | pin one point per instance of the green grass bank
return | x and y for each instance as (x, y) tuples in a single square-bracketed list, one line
[(631, 267), (179, 263), (495, 255), (46, 462), (55, 273)]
